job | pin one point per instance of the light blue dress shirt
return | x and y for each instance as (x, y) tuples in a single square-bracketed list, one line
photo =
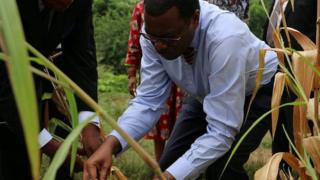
[(222, 74)]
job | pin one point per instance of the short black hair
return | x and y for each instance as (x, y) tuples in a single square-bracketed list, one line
[(159, 7)]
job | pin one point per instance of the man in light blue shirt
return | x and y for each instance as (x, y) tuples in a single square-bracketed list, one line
[(213, 56)]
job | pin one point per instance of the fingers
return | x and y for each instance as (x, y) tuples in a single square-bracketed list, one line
[(89, 172), (104, 171)]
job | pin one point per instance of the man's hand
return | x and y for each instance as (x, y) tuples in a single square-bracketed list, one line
[(51, 148), (167, 175), (99, 164), (91, 139)]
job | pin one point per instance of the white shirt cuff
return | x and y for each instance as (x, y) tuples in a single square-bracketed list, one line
[(123, 143), (44, 137), (183, 169), (83, 115)]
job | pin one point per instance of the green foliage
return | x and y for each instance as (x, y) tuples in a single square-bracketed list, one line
[(113, 83), (112, 32), (258, 16), (100, 7)]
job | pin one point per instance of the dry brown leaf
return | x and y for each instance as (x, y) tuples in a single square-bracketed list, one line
[(301, 62), (262, 54), (310, 114), (278, 87), (284, 22), (295, 164), (312, 145), (302, 39), (270, 170), (296, 128), (277, 44)]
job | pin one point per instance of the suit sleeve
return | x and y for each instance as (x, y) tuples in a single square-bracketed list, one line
[(79, 56)]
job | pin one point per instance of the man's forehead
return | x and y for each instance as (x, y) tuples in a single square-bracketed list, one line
[(169, 21)]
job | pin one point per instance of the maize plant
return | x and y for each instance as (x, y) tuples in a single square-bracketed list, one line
[(301, 76)]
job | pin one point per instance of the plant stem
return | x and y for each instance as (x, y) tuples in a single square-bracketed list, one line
[(316, 78)]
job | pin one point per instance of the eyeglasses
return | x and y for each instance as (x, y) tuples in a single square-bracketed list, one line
[(167, 41)]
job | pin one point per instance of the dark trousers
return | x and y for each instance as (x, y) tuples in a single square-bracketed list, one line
[(191, 124), (14, 161)]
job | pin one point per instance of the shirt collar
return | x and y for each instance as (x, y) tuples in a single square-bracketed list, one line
[(196, 37)]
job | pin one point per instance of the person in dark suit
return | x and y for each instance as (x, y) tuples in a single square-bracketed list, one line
[(48, 23), (303, 18)]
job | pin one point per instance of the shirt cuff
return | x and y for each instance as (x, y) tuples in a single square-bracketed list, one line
[(44, 137), (123, 143), (183, 169), (83, 115)]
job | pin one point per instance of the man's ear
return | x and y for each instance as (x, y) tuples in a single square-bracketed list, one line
[(196, 17)]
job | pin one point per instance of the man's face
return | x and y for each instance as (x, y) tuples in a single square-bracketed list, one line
[(57, 5), (170, 34)]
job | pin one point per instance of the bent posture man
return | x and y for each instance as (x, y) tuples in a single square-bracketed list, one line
[(213, 56)]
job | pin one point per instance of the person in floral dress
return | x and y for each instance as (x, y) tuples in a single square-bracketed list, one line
[(239, 7)]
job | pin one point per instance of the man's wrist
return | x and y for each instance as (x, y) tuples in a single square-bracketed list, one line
[(168, 176), (114, 144)]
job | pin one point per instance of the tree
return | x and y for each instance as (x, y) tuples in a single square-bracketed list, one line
[(112, 32)]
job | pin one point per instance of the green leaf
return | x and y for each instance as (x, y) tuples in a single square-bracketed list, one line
[(62, 152), (21, 79), (74, 121)]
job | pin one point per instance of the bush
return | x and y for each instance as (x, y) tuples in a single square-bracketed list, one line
[(112, 32), (258, 17), (113, 83)]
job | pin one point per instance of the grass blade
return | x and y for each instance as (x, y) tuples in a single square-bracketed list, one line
[(74, 121), (21, 79)]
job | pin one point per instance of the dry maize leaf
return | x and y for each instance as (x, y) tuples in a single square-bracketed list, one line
[(277, 44), (311, 113), (302, 62), (116, 174), (282, 175), (296, 128), (279, 83), (295, 164), (270, 170), (262, 54), (284, 21), (292, 5), (312, 145), (302, 39)]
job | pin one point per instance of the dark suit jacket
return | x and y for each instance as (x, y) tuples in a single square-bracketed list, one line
[(45, 30), (303, 18)]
